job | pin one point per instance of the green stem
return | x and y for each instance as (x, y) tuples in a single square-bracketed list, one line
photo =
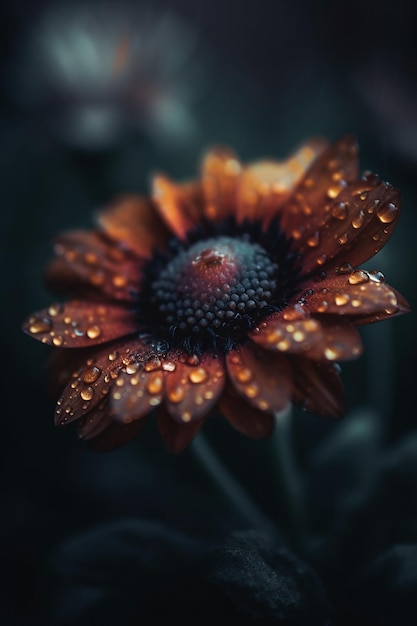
[(230, 487), (290, 483)]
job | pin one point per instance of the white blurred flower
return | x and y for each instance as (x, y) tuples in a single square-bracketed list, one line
[(97, 71)]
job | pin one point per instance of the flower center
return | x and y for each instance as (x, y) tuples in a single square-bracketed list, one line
[(212, 293)]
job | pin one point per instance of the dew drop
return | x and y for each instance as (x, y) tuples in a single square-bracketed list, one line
[(154, 384), (40, 325), (341, 299), (90, 376), (198, 375), (359, 220), (331, 354), (333, 191), (283, 345), (244, 375), (358, 277), (168, 366), (252, 390), (377, 277), (93, 332), (387, 213), (58, 341), (131, 368), (323, 307), (55, 309), (344, 268), (342, 239), (176, 395), (87, 394), (113, 356), (119, 281), (340, 211), (314, 240)]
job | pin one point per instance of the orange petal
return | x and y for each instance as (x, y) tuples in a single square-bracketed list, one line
[(135, 223), (266, 185), (78, 324), (95, 422), (194, 387), (290, 330), (244, 417), (137, 391), (96, 377), (115, 436), (176, 436), (317, 386), (340, 340), (356, 293), (355, 227), (221, 170), (99, 263), (335, 166), (180, 205), (262, 378)]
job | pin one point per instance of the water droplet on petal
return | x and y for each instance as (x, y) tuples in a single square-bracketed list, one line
[(340, 211), (387, 213), (39, 325), (244, 375), (58, 341), (198, 375), (314, 240), (342, 239), (154, 384), (87, 393), (93, 332), (359, 220), (358, 277), (55, 309), (90, 376), (341, 299), (344, 268), (176, 395)]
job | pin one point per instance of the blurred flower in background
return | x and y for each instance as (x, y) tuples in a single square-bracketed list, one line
[(93, 72)]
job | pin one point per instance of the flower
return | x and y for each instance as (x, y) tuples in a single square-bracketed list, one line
[(237, 291), (93, 73)]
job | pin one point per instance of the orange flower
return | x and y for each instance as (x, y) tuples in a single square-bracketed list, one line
[(236, 291)]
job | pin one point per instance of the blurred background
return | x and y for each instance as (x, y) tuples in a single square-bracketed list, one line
[(95, 97)]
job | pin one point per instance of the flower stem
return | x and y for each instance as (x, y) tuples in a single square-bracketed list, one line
[(290, 484), (231, 488)]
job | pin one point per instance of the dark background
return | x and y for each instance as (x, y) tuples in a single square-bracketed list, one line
[(270, 74)]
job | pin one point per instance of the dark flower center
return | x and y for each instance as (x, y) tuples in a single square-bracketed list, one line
[(209, 293)]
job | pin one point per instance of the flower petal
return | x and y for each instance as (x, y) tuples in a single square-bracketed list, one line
[(262, 378), (358, 294), (96, 377), (335, 165), (290, 330), (244, 417), (317, 386), (220, 174), (266, 185), (79, 324), (115, 436), (95, 422), (99, 263), (176, 436), (340, 341), (354, 228), (194, 387), (180, 205), (138, 390), (134, 222)]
